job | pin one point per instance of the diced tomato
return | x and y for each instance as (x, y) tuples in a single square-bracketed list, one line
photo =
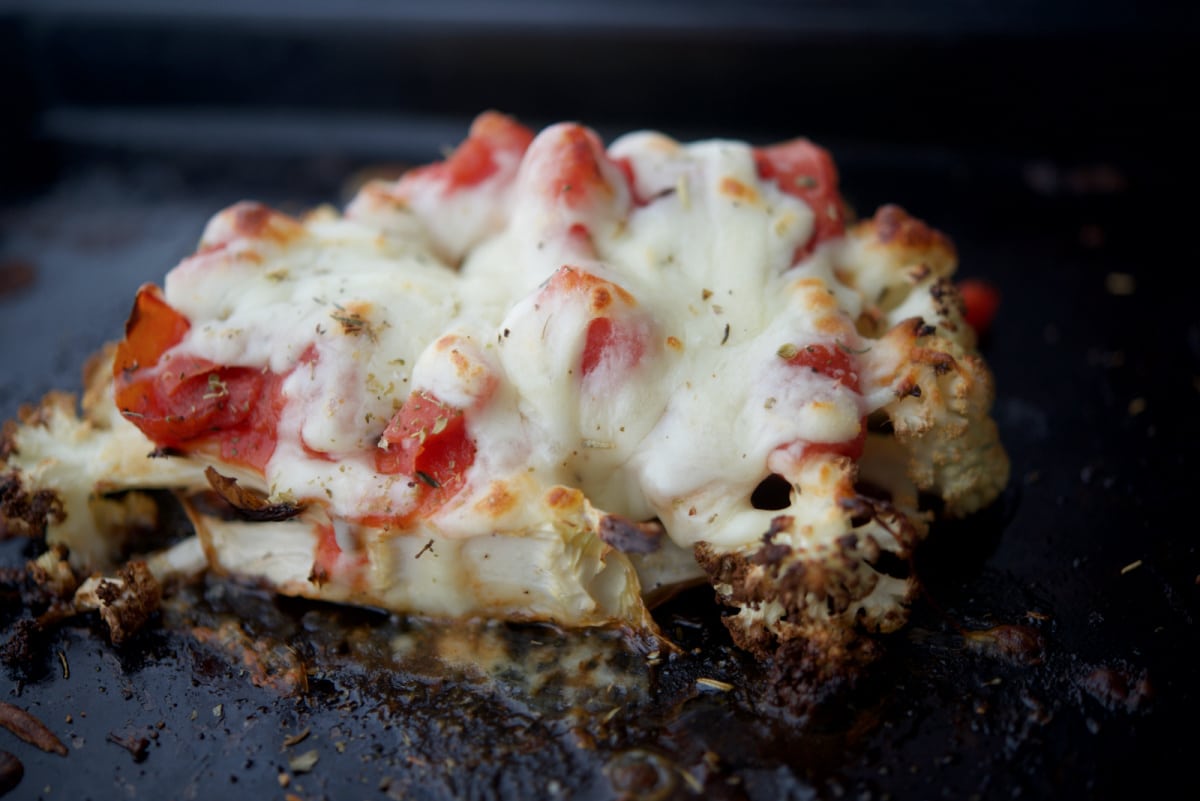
[(252, 443), (806, 171), (834, 363), (474, 161), (568, 279), (573, 159), (428, 440), (617, 340), (599, 336), (187, 403), (152, 329), (625, 165), (605, 336), (184, 398), (981, 300), (609, 340)]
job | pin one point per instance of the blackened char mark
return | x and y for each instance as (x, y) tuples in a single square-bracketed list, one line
[(249, 503)]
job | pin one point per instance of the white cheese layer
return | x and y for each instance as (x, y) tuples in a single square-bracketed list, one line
[(699, 277)]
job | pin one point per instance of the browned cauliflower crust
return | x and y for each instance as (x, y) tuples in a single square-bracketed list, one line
[(942, 388)]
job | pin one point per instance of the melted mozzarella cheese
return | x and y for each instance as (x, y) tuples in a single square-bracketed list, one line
[(613, 343), (683, 434)]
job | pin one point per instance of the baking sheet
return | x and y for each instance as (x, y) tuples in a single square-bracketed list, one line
[(1086, 549), (1096, 352)]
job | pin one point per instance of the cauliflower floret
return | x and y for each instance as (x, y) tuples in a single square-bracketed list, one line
[(834, 561), (924, 371), (91, 466), (940, 415)]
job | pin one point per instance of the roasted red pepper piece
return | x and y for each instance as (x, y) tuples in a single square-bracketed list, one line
[(427, 439), (981, 301), (806, 171)]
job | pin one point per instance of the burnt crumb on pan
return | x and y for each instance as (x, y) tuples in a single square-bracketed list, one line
[(128, 605), (1118, 688), (125, 603), (642, 774), (137, 746), (44, 587), (22, 648)]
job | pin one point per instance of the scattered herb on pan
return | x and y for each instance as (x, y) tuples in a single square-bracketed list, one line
[(138, 747), (300, 736)]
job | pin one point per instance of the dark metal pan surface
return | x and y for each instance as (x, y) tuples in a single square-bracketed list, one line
[(1085, 576)]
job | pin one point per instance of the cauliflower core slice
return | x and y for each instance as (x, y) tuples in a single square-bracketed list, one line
[(542, 380)]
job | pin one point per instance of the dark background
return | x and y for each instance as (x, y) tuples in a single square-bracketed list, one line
[(1053, 141)]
